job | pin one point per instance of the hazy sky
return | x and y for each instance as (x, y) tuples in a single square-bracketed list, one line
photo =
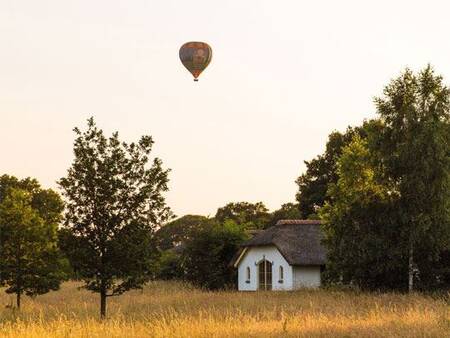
[(284, 74)]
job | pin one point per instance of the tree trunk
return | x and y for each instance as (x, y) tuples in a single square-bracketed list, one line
[(18, 277), (411, 268), (103, 304), (18, 294)]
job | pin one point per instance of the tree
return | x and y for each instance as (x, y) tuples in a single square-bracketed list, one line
[(178, 231), (114, 203), (322, 170), (7, 182), (208, 253), (170, 265), (171, 240), (255, 215), (287, 211), (359, 223), (388, 214), (415, 149), (29, 258), (46, 201)]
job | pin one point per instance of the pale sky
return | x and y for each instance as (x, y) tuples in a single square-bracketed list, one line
[(284, 74)]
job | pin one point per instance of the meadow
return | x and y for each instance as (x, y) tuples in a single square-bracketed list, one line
[(170, 309)]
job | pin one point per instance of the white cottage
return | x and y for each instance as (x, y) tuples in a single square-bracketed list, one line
[(286, 256)]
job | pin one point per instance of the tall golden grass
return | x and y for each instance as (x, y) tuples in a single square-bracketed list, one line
[(168, 309)]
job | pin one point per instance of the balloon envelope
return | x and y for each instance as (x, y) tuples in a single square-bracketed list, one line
[(195, 56)]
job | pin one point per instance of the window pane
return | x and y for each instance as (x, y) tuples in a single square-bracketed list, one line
[(265, 275)]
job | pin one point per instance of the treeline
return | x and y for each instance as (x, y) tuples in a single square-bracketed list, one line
[(199, 249), (382, 190), (39, 250), (113, 229)]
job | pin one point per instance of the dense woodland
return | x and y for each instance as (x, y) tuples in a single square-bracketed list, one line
[(381, 188)]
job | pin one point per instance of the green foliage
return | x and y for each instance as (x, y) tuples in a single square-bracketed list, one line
[(30, 262), (170, 265), (46, 201), (171, 239), (179, 239), (208, 253), (415, 150), (387, 216), (28, 184), (359, 223), (254, 215), (287, 211), (321, 171), (178, 231), (114, 204)]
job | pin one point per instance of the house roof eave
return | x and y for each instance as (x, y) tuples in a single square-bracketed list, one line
[(239, 258)]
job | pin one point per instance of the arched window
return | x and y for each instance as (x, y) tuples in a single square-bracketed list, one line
[(248, 274), (280, 274)]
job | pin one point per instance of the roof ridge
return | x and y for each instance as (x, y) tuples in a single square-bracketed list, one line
[(299, 222)]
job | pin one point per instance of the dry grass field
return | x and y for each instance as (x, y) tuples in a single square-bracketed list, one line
[(167, 309)]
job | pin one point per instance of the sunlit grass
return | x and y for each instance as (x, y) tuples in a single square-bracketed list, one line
[(166, 309)]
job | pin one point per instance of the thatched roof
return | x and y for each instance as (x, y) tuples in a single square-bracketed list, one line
[(299, 241)]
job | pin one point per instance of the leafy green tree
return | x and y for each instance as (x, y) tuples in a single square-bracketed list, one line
[(30, 262), (178, 231), (388, 214), (7, 182), (208, 253), (171, 240), (360, 224), (415, 149), (254, 215), (46, 201), (287, 211), (114, 204), (322, 170), (170, 265)]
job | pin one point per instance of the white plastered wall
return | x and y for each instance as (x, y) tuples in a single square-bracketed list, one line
[(306, 277), (252, 257)]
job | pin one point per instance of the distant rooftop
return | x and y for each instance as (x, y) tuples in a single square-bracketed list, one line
[(299, 221)]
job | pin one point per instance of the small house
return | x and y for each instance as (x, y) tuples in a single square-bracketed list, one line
[(286, 256)]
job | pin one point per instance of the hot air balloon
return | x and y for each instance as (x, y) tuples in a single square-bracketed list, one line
[(195, 56)]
